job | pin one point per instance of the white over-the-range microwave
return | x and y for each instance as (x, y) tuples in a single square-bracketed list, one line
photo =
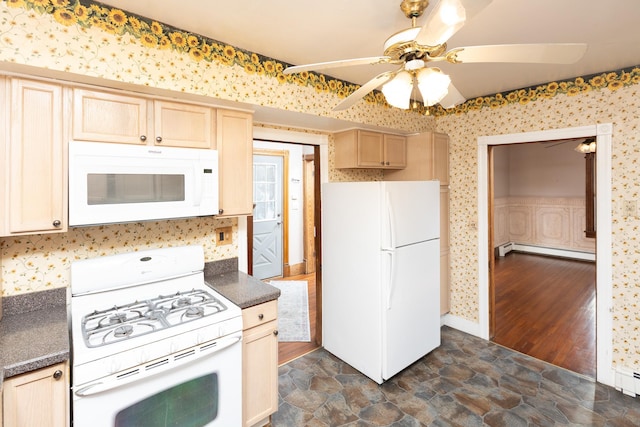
[(112, 183)]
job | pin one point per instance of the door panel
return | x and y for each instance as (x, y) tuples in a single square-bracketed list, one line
[(267, 216)]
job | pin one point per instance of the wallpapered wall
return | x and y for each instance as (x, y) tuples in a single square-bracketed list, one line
[(86, 39)]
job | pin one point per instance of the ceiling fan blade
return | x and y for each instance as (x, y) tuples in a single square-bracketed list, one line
[(356, 96), (373, 60), (452, 98), (447, 18), (544, 53)]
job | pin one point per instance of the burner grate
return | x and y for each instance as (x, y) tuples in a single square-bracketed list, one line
[(127, 321)]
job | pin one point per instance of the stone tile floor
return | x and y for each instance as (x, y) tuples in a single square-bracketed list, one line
[(467, 381)]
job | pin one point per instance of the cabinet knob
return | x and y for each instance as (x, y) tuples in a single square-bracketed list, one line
[(56, 223), (382, 163), (260, 316), (275, 332), (387, 163), (143, 137), (158, 139), (57, 374), (220, 211)]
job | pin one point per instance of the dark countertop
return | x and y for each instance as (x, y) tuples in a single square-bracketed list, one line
[(241, 289), (34, 332)]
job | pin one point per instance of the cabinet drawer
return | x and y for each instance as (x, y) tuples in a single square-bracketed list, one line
[(259, 314)]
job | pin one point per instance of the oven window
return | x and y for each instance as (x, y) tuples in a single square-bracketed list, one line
[(111, 188), (190, 404)]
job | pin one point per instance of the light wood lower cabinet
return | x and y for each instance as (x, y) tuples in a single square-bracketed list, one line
[(38, 398), (259, 363)]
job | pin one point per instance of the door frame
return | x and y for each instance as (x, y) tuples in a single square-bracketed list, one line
[(604, 321), (320, 142)]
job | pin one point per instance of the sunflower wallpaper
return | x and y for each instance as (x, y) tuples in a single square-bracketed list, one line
[(85, 40)]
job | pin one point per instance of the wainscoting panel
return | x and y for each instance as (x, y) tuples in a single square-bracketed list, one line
[(538, 221)]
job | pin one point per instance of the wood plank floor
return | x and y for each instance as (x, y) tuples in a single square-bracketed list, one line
[(545, 307), (288, 351)]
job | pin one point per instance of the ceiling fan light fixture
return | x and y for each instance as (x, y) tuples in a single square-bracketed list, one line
[(586, 147), (397, 91), (433, 85)]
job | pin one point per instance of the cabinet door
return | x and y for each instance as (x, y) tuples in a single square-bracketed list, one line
[(395, 151), (37, 399), (370, 149), (34, 170), (183, 125), (107, 117), (441, 158), (235, 162), (260, 373)]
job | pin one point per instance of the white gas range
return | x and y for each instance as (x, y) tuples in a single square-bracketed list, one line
[(152, 343)]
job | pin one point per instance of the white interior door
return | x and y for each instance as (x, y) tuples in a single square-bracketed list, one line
[(267, 216)]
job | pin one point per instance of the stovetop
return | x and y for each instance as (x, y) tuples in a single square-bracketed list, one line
[(117, 323), (127, 308)]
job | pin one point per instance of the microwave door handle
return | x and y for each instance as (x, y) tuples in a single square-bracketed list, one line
[(115, 382), (199, 185)]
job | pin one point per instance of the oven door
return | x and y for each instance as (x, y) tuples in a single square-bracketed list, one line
[(195, 387)]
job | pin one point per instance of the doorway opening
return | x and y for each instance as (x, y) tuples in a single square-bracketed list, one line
[(283, 238), (542, 274), (603, 135)]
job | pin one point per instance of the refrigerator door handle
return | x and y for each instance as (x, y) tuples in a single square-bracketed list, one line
[(392, 272), (391, 220)]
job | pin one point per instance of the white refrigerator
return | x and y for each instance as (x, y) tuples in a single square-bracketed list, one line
[(380, 273)]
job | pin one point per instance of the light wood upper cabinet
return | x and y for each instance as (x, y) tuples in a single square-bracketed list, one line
[(38, 398), (183, 125), (428, 158), (111, 117), (235, 162), (260, 363), (33, 178), (370, 150)]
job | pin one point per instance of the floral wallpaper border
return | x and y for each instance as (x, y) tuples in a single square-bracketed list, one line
[(153, 34)]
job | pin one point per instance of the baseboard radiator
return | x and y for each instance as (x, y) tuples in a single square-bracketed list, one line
[(505, 248), (627, 381)]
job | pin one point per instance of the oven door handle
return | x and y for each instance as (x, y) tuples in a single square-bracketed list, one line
[(157, 366)]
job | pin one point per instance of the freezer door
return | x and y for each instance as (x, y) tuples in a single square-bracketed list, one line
[(411, 312), (411, 212)]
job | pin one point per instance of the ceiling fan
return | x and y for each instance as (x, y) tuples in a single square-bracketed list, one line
[(415, 48)]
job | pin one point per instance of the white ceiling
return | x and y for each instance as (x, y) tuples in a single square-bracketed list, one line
[(304, 31)]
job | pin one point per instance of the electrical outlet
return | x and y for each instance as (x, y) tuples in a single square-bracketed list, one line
[(224, 236)]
